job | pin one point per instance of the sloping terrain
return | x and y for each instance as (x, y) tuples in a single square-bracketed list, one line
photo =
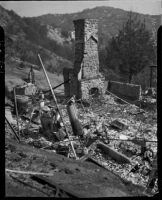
[(24, 41), (84, 179), (15, 76)]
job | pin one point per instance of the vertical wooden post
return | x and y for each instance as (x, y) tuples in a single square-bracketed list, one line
[(17, 116)]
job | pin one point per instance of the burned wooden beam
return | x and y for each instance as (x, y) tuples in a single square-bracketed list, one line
[(73, 115), (120, 158)]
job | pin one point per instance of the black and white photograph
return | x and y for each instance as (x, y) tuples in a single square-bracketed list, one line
[(80, 81)]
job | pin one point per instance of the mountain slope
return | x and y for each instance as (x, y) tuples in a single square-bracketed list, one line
[(25, 41), (110, 20), (49, 35)]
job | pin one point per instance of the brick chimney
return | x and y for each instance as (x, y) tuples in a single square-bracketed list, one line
[(87, 80)]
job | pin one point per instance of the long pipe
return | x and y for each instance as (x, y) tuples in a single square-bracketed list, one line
[(54, 97), (58, 85), (17, 116)]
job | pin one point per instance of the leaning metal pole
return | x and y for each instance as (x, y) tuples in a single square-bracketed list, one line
[(55, 100)]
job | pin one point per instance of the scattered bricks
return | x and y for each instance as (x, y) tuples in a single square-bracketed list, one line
[(125, 90), (118, 125), (120, 158)]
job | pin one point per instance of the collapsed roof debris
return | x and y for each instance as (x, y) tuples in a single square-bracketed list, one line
[(97, 128)]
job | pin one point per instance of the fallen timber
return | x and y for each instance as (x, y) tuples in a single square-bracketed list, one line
[(120, 158)]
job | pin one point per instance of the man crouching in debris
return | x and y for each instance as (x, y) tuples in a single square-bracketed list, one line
[(51, 124), (58, 126), (46, 121)]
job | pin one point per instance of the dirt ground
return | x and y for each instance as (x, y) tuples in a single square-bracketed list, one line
[(83, 178)]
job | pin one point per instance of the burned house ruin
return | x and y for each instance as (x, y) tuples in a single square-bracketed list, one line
[(85, 78)]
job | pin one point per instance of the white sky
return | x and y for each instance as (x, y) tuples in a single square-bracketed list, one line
[(36, 8)]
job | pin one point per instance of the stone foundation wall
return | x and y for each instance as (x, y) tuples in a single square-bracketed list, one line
[(125, 90)]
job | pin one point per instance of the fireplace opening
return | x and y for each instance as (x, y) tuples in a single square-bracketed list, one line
[(94, 92)]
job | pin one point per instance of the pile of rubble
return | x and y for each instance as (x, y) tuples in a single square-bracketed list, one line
[(125, 129)]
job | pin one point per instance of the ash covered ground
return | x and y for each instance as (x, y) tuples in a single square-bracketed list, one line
[(123, 127)]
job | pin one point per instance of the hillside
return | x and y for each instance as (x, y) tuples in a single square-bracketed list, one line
[(25, 41), (16, 76), (110, 20), (50, 35)]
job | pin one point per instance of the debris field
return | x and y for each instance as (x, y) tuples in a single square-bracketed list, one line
[(114, 134)]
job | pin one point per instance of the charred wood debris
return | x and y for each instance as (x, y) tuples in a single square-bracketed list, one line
[(107, 130)]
